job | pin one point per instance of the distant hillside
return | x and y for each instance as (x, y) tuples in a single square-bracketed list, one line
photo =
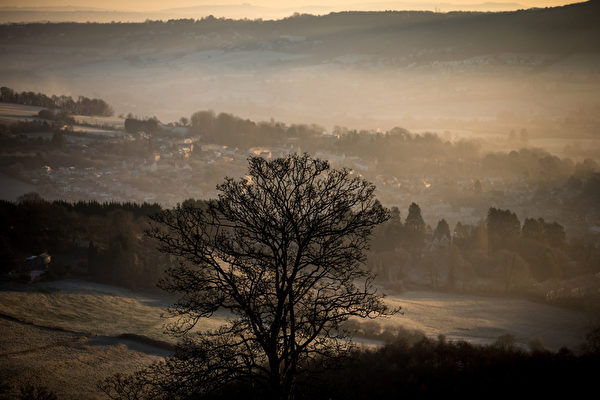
[(232, 10), (362, 69), (572, 28)]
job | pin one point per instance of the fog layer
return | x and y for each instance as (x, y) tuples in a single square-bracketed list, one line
[(463, 72)]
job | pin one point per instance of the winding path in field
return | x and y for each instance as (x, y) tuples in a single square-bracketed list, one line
[(135, 342), (69, 364)]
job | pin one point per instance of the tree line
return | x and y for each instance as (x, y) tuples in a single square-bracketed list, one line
[(82, 106), (498, 254), (230, 130), (103, 242), (415, 154)]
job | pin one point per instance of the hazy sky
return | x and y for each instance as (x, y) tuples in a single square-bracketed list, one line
[(153, 5)]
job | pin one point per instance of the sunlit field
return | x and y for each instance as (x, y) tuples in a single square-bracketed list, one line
[(10, 113), (68, 364), (86, 307), (85, 319), (74, 333), (97, 309), (482, 320)]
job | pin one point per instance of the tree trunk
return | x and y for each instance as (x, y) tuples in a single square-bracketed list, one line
[(275, 384)]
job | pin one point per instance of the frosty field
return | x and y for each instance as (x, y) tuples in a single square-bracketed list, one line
[(69, 364), (482, 320), (97, 309), (67, 339), (86, 307), (10, 113), (65, 334)]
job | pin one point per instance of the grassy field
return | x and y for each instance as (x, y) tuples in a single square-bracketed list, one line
[(82, 345), (69, 364), (11, 113), (97, 309), (87, 307), (482, 320), (67, 334)]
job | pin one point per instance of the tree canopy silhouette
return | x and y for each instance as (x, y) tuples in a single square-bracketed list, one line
[(281, 251)]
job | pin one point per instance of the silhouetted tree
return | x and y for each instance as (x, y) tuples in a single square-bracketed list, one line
[(414, 221), (395, 224), (203, 123), (503, 228), (414, 230), (552, 234), (134, 125), (511, 269), (592, 341), (533, 229), (442, 230), (387, 236), (555, 234), (282, 252)]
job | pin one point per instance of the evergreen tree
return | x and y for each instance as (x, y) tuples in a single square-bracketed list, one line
[(503, 228), (414, 221), (414, 230), (442, 230)]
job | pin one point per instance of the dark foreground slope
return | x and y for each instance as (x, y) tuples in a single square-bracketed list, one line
[(436, 369), (414, 367)]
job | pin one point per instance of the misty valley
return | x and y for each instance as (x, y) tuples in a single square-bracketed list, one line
[(342, 206)]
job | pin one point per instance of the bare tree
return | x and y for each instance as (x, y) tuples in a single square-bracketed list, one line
[(282, 251)]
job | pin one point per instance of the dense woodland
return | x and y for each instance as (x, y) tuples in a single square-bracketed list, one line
[(500, 255), (101, 242)]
